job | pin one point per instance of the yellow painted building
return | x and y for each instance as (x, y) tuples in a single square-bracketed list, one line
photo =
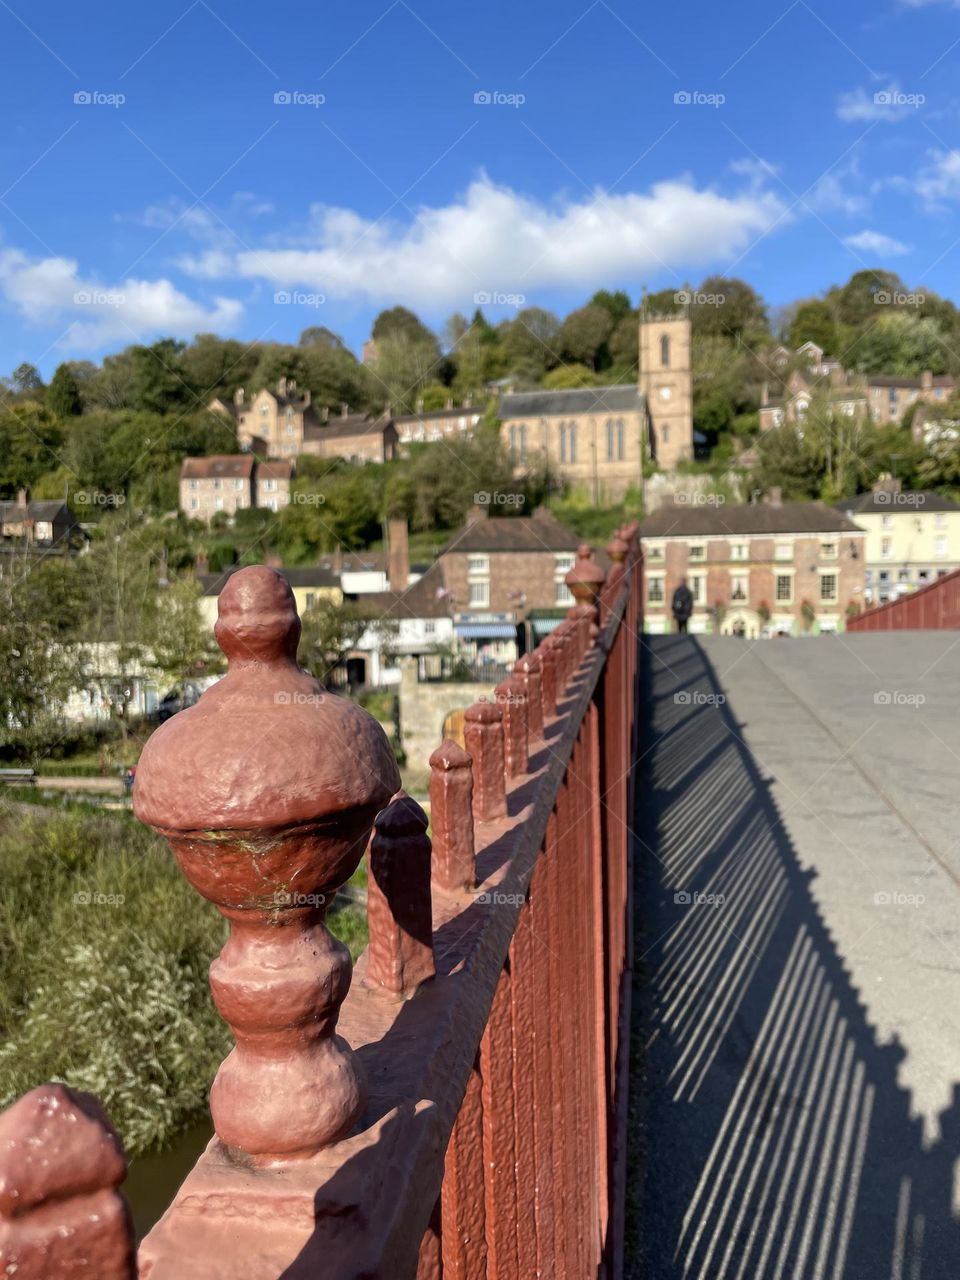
[(912, 538), (309, 587)]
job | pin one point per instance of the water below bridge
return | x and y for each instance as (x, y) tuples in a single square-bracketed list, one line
[(796, 1092)]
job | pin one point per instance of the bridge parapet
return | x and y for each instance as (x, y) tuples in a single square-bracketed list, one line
[(457, 1109)]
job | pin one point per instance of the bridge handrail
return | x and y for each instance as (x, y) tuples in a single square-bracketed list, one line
[(486, 1014)]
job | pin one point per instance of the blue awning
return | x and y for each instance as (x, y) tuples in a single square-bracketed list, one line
[(543, 626), (486, 631)]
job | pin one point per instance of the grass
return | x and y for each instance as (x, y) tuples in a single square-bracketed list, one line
[(104, 951)]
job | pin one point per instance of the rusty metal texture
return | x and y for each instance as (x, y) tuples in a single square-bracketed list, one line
[(61, 1214), (399, 909)]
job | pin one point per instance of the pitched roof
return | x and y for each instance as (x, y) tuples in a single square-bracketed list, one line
[(419, 600), (545, 404), (355, 424), (539, 532), (699, 521), (218, 466), (312, 576), (462, 411), (274, 470), (892, 380), (906, 503), (43, 509)]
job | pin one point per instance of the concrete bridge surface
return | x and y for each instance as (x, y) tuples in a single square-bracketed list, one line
[(797, 1044)]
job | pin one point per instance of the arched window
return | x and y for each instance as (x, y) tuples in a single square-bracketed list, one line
[(563, 442), (609, 439), (665, 433), (620, 440), (665, 351), (523, 442), (573, 442)]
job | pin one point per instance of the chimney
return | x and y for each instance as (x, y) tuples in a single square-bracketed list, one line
[(273, 561), (886, 483), (926, 380), (281, 387), (765, 393), (22, 497), (450, 403), (398, 555), (344, 410), (201, 564), (476, 513), (775, 496), (238, 397), (419, 404), (468, 402), (338, 560), (325, 413)]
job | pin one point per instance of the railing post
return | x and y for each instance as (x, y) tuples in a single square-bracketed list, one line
[(528, 670), (266, 791), (451, 813), (512, 700), (61, 1213), (549, 676), (483, 734), (585, 580), (399, 915)]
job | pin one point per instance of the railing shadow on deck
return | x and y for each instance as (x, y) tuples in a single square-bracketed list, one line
[(776, 1138)]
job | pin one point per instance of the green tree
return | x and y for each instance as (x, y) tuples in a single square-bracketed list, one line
[(63, 394), (181, 640), (331, 630), (26, 377), (583, 335)]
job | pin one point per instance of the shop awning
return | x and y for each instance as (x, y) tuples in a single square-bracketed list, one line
[(486, 631), (543, 626)]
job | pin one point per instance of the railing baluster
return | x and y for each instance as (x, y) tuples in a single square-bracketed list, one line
[(400, 920)]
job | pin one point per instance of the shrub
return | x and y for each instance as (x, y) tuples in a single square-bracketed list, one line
[(104, 951)]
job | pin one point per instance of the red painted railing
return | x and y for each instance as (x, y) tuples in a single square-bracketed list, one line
[(458, 1110), (932, 608)]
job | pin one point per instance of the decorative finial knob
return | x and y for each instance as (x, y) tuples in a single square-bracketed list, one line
[(267, 791)]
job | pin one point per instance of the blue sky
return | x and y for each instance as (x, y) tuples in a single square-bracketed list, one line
[(153, 183)]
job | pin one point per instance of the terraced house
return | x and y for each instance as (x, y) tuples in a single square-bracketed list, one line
[(770, 568)]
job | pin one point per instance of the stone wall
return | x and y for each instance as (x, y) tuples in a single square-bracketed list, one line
[(424, 707)]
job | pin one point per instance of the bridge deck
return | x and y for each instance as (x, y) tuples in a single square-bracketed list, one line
[(797, 1111)]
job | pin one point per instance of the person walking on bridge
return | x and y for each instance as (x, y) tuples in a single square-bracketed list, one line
[(682, 605)]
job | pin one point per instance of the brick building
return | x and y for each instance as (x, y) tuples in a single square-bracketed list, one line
[(229, 483), (274, 422), (767, 568), (451, 423)]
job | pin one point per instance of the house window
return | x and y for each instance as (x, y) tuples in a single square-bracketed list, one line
[(480, 593), (886, 522), (738, 551), (218, 503), (216, 484), (696, 585), (621, 440), (429, 627), (886, 548), (238, 484), (828, 586), (311, 599), (940, 548), (665, 351), (784, 588), (478, 564), (940, 520), (739, 587), (562, 593), (572, 441), (193, 484), (783, 551), (698, 551), (665, 433), (194, 504), (828, 550), (654, 591), (654, 553)]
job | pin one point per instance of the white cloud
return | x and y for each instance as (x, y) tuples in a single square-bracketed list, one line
[(495, 238), (939, 181), (832, 194), (876, 242), (51, 291), (863, 106)]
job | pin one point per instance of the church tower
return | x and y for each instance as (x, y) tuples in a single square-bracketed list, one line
[(666, 380)]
